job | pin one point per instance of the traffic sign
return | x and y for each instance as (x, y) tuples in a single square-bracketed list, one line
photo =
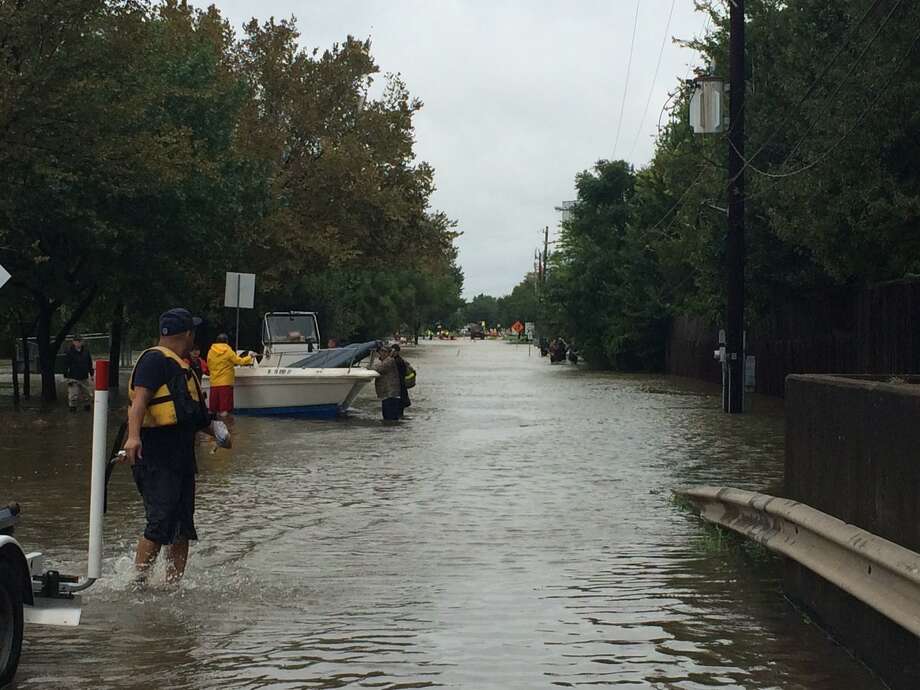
[(518, 327), (240, 290), (4, 276)]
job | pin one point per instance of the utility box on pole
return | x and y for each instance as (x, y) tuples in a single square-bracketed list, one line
[(707, 110)]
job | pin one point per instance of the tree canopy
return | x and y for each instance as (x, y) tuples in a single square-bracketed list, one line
[(833, 192), (147, 149)]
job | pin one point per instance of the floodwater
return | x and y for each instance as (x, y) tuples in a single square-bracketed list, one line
[(515, 532)]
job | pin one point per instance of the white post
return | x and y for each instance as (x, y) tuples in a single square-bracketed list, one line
[(239, 281), (97, 482)]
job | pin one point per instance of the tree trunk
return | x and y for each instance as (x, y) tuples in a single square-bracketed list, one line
[(45, 354), (115, 338), (15, 378), (26, 367)]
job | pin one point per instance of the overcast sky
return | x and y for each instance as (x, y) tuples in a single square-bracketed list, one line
[(520, 95)]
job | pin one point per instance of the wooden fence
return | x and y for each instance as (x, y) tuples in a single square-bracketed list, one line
[(875, 330)]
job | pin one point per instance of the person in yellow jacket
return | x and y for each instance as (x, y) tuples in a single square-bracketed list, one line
[(221, 362)]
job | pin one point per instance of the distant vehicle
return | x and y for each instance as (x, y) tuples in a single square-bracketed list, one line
[(477, 332)]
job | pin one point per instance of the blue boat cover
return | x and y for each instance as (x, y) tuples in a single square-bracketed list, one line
[(336, 357)]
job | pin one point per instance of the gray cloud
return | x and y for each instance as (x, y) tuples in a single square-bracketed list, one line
[(520, 95)]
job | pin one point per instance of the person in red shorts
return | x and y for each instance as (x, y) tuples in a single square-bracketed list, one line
[(222, 360)]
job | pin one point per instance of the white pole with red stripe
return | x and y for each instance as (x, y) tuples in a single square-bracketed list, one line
[(97, 482)]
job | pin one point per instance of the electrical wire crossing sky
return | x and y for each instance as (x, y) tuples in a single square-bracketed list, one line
[(520, 96)]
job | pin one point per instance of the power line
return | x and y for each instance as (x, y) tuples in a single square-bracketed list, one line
[(679, 201), (685, 79), (651, 89), (702, 171), (814, 83), (683, 82), (693, 183), (632, 45), (842, 82), (748, 163), (699, 176), (881, 92)]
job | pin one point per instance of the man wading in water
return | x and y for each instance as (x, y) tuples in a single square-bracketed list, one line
[(167, 409), (387, 384), (77, 372)]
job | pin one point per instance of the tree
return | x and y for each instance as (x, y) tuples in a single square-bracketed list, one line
[(522, 304), (115, 180), (348, 205), (482, 308), (126, 191), (604, 277), (833, 197)]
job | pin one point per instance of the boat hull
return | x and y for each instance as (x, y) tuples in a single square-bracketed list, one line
[(307, 411), (321, 393)]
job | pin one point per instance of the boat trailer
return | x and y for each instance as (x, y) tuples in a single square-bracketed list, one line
[(28, 592)]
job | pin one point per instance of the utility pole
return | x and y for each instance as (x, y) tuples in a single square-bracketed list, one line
[(734, 245), (545, 251)]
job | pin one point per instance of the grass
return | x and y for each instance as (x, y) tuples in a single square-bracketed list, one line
[(683, 503), (715, 539)]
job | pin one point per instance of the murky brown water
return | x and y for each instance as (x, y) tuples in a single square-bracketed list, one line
[(515, 533)]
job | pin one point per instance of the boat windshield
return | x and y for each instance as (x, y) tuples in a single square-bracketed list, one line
[(289, 329)]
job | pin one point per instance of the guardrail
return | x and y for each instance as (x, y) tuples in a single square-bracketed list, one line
[(878, 572)]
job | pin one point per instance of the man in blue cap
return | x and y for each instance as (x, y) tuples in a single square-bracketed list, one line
[(167, 410)]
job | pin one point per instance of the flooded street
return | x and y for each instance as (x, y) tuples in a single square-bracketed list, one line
[(515, 532)]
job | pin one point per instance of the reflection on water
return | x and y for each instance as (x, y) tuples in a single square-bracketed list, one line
[(516, 532)]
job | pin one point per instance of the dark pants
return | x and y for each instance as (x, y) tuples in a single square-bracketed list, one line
[(392, 409), (169, 502)]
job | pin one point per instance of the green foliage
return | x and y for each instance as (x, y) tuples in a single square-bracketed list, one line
[(481, 308), (523, 304), (201, 153), (603, 278), (833, 189)]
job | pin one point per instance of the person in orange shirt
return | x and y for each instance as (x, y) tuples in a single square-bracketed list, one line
[(221, 362)]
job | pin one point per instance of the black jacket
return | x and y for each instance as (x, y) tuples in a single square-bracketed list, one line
[(403, 389), (79, 364)]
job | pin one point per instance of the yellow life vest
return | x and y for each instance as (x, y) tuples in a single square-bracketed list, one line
[(179, 400)]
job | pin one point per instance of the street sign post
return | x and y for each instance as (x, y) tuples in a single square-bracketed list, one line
[(5, 276), (239, 292)]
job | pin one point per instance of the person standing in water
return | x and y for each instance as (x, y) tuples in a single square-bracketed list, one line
[(78, 369), (405, 370), (167, 410), (222, 360), (387, 384)]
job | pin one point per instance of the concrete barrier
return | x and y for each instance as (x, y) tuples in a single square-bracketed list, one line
[(853, 451)]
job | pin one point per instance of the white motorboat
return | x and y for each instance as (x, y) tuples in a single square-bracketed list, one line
[(274, 387)]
